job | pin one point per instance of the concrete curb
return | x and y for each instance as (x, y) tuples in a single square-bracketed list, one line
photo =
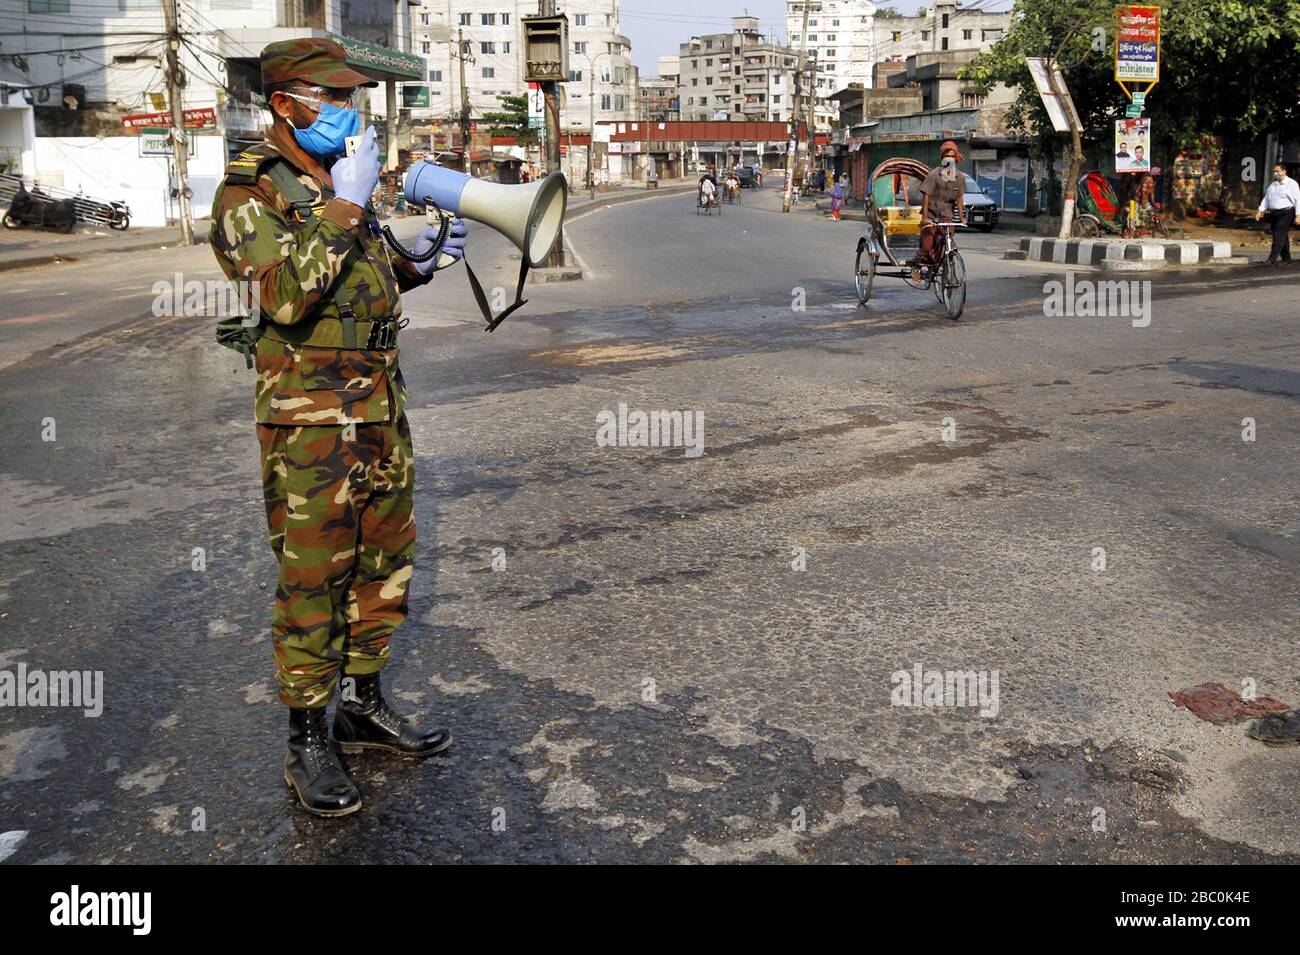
[(581, 271), (611, 199), (1096, 252), (1131, 265)]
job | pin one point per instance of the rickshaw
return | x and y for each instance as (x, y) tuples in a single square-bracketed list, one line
[(702, 205), (730, 193), (893, 211), (1098, 208), (1101, 211)]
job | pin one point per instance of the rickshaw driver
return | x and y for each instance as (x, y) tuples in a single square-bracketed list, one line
[(943, 191), (707, 192)]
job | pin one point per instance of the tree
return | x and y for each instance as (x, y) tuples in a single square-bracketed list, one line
[(512, 120), (1228, 68), (1073, 35)]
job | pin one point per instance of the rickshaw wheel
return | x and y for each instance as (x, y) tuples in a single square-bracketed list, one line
[(1085, 226), (952, 280), (864, 273)]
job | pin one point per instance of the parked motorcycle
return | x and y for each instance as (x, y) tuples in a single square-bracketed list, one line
[(114, 214), (41, 211)]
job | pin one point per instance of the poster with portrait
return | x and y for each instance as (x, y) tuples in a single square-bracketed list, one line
[(1132, 145)]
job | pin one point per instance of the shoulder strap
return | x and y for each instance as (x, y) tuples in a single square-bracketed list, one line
[(295, 193), (301, 201)]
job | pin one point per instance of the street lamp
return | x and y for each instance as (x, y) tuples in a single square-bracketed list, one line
[(591, 59)]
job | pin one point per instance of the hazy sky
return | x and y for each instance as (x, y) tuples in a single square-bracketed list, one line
[(656, 27)]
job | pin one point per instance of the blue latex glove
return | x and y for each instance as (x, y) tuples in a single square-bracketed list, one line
[(355, 177), (454, 246)]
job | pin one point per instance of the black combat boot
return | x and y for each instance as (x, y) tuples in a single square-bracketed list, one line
[(369, 722), (313, 769)]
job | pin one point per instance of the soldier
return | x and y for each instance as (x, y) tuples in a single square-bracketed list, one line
[(291, 220)]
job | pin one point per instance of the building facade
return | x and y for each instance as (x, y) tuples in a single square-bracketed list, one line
[(486, 39), (847, 38), (80, 85), (659, 94), (945, 25), (736, 76)]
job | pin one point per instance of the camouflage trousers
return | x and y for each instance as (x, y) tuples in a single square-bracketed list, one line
[(339, 506)]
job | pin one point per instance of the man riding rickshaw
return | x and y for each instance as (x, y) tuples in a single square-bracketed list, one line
[(905, 198)]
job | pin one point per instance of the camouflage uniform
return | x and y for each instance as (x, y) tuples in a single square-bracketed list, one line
[(337, 465)]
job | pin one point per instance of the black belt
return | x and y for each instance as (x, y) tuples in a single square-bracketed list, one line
[(342, 332)]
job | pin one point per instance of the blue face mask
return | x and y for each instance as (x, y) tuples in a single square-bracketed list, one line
[(327, 135)]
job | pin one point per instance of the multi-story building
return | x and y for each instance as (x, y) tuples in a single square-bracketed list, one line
[(659, 94), (945, 25), (487, 38), (848, 37), (840, 44), (80, 83), (736, 76)]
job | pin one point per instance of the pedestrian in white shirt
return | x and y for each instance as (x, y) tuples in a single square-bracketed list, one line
[(1281, 200)]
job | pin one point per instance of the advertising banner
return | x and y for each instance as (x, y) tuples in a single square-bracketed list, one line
[(1132, 145), (1137, 44)]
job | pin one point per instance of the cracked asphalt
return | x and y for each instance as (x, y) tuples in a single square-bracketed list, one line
[(648, 678)]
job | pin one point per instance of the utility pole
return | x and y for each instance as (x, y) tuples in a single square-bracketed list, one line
[(812, 116), (462, 56), (591, 124), (591, 118), (551, 112), (792, 151), (180, 145)]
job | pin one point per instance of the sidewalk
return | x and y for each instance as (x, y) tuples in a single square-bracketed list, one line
[(25, 248), (28, 248)]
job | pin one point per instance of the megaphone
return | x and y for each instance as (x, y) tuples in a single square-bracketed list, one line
[(528, 214)]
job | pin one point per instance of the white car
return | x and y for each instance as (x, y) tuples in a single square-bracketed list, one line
[(981, 211)]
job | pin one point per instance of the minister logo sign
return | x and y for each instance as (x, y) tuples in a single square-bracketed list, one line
[(1137, 44)]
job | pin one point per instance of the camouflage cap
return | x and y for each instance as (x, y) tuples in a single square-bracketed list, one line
[(317, 60)]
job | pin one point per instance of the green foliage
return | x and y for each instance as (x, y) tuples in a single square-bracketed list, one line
[(512, 120), (1228, 68)]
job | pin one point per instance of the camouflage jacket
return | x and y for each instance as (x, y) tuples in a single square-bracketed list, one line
[(299, 267)]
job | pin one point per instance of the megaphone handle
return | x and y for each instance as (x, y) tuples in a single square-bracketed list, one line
[(410, 256), (477, 288)]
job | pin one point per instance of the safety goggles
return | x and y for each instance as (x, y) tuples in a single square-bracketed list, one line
[(352, 98)]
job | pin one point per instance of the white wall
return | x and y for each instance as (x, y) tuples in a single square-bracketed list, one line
[(111, 168), (18, 136)]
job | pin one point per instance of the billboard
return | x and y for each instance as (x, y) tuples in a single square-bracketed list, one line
[(1137, 44), (1132, 145), (205, 117)]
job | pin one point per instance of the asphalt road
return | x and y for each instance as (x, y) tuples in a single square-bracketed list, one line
[(649, 678)]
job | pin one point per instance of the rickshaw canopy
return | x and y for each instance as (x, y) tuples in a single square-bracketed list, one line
[(898, 205)]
